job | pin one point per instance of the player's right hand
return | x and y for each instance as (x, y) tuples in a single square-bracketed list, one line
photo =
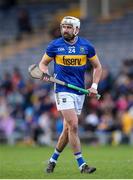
[(46, 77)]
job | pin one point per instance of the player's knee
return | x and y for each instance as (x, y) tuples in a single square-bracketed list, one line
[(73, 128)]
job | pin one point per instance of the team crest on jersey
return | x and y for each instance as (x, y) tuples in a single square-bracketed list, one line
[(64, 100), (82, 49)]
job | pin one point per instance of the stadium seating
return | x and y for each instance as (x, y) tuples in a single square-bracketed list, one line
[(40, 16), (113, 40)]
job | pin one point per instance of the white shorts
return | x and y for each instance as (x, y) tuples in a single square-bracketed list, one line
[(65, 100)]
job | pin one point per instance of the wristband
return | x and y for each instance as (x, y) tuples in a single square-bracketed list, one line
[(94, 85)]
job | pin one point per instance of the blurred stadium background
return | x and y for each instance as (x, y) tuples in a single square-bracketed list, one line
[(27, 108)]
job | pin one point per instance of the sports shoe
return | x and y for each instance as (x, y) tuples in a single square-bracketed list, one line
[(86, 169), (51, 166)]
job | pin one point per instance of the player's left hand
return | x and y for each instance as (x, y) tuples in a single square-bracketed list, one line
[(93, 92)]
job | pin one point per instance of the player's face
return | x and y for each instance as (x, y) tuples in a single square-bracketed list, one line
[(67, 32)]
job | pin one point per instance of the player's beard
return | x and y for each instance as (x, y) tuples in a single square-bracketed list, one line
[(68, 37)]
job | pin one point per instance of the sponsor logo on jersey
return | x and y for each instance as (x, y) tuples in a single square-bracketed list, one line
[(71, 60)]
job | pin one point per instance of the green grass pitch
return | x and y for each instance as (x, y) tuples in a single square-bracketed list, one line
[(21, 162)]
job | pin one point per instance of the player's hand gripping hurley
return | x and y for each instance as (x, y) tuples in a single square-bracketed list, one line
[(36, 73)]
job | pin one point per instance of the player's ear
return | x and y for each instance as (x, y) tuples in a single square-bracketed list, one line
[(76, 31)]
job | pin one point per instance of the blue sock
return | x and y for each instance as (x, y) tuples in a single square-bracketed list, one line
[(79, 159), (55, 156)]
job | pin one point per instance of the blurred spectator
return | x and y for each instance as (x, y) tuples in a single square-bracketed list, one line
[(122, 84), (24, 23), (45, 137), (6, 83), (29, 115), (127, 125), (106, 103), (17, 78), (104, 130), (15, 98), (28, 93), (105, 84), (130, 100), (55, 30), (3, 106), (122, 103), (131, 134), (7, 123), (127, 67), (91, 122)]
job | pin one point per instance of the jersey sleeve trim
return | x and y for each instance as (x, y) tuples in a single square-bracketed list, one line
[(48, 57), (92, 58)]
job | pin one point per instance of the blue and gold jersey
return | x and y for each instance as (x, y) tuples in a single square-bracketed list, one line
[(70, 61)]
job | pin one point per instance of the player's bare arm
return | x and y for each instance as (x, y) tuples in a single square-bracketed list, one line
[(43, 65), (97, 72)]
